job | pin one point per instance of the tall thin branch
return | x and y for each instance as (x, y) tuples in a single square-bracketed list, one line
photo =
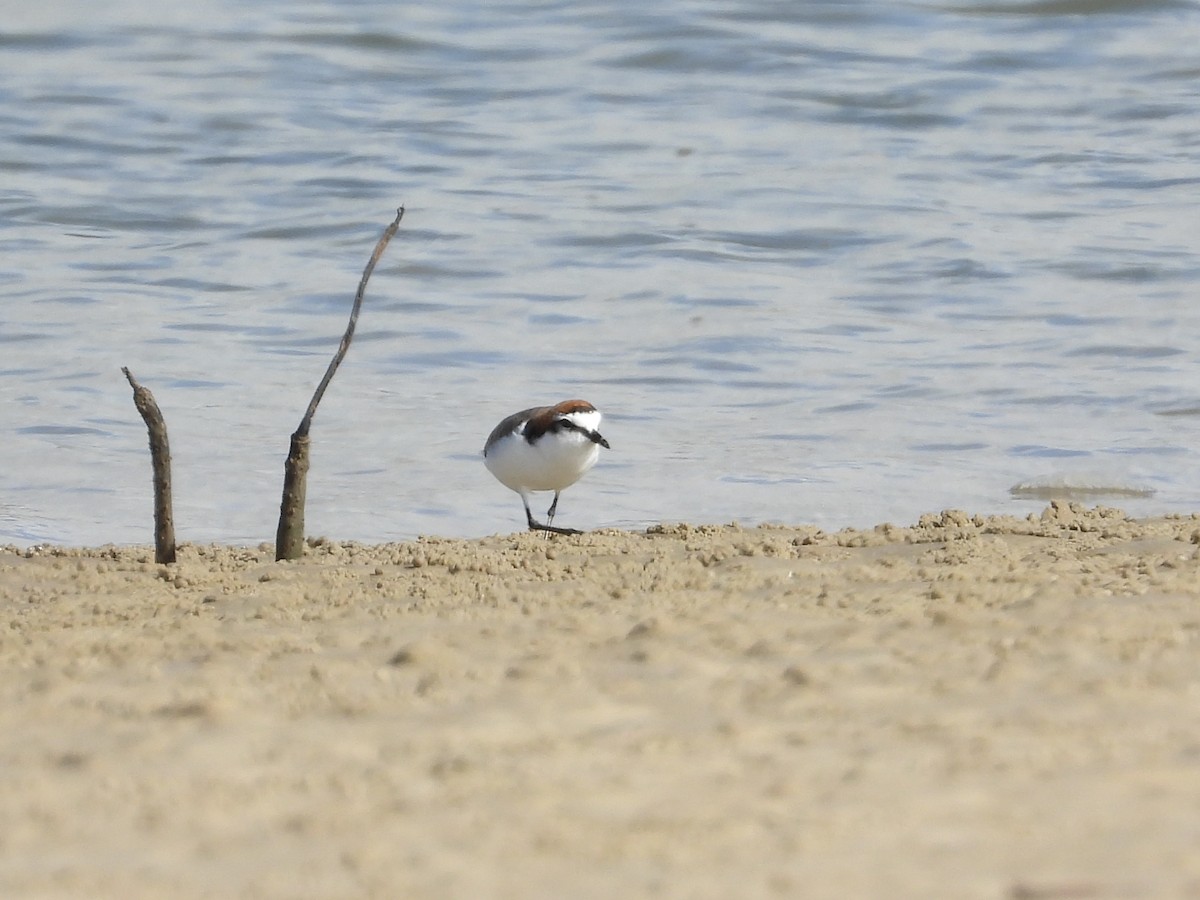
[(289, 539)]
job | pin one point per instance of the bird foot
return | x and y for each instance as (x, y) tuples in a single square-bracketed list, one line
[(553, 529)]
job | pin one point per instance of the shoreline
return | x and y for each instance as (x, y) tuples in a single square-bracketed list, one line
[(970, 706)]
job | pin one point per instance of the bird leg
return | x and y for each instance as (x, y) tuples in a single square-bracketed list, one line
[(535, 525)]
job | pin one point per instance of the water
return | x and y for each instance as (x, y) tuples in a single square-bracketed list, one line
[(838, 263)]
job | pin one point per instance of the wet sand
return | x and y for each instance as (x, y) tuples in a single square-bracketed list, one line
[(969, 707)]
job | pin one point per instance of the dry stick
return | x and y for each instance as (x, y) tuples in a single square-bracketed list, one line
[(289, 539), (160, 457)]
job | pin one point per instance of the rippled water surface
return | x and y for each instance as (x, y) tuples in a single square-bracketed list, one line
[(837, 263)]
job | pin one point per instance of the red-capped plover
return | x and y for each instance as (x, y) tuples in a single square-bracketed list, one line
[(546, 448)]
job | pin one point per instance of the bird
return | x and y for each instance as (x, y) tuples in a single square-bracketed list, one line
[(545, 448)]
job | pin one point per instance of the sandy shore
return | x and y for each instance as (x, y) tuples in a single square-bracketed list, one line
[(969, 707)]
